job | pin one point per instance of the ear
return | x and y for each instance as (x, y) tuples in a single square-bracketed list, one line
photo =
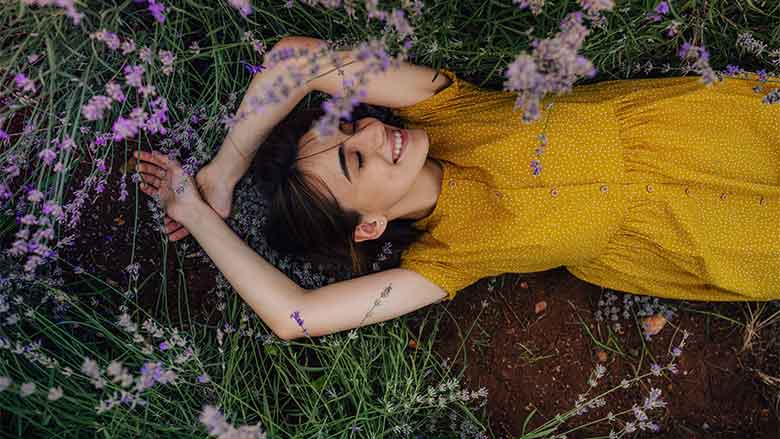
[(371, 229)]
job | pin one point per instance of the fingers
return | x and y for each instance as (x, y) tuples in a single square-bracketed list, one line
[(154, 157), (148, 189), (174, 230), (146, 168), (181, 233), (152, 181)]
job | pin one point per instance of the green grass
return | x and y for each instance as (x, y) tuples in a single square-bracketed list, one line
[(373, 379)]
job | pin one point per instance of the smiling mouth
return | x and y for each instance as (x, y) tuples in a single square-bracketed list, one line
[(400, 139)]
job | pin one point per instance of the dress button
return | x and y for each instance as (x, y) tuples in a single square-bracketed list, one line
[(688, 191), (498, 194), (452, 182), (762, 202), (554, 192), (649, 188), (604, 188), (723, 196)]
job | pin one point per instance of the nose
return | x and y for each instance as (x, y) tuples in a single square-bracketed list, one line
[(371, 139)]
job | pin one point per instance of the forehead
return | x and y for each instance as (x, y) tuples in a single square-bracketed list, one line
[(319, 157)]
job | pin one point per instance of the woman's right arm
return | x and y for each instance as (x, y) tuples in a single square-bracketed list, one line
[(245, 137), (274, 297)]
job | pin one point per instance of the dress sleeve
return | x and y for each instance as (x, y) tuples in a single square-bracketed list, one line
[(442, 274)]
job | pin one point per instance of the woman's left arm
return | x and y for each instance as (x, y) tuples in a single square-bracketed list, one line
[(394, 88)]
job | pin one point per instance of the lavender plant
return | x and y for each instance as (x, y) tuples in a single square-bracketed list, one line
[(623, 421), (83, 84)]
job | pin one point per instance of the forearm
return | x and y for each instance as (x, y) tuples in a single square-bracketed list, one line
[(245, 137), (268, 291)]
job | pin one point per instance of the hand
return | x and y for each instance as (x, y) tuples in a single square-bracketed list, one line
[(165, 179), (217, 189)]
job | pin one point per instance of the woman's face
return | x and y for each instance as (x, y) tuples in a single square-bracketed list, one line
[(358, 164)]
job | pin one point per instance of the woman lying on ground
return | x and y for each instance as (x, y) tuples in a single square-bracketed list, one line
[(662, 187)]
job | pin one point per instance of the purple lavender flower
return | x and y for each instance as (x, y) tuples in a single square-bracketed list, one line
[(114, 90), (732, 70), (700, 57), (67, 144), (111, 39), (55, 393), (398, 21), (214, 421), (535, 5), (26, 389), (146, 55), (243, 6), (134, 75), (296, 315), (653, 400), (123, 188), (660, 10), (150, 373), (147, 90), (5, 383), (252, 68), (29, 220), (166, 58), (35, 196), (672, 29), (67, 5), (48, 156), (204, 378), (124, 128), (157, 10), (164, 346), (596, 6), (23, 82), (94, 109), (554, 66), (128, 46), (536, 166), (5, 192)]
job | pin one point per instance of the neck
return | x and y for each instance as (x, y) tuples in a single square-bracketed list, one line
[(421, 200)]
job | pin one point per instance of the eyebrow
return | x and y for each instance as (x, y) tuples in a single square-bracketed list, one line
[(342, 162)]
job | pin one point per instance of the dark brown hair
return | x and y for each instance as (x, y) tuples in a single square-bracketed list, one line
[(305, 221)]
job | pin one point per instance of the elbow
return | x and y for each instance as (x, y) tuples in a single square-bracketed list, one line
[(299, 42), (296, 43), (287, 332), (283, 335), (288, 335)]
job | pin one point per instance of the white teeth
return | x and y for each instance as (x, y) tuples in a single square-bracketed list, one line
[(398, 144)]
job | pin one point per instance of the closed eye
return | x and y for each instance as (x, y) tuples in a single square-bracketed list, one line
[(359, 155)]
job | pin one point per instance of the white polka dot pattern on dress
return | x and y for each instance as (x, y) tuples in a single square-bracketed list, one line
[(662, 186)]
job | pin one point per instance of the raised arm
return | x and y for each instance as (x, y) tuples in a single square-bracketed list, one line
[(245, 137), (395, 88)]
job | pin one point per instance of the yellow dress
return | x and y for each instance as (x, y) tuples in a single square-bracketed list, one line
[(662, 187)]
